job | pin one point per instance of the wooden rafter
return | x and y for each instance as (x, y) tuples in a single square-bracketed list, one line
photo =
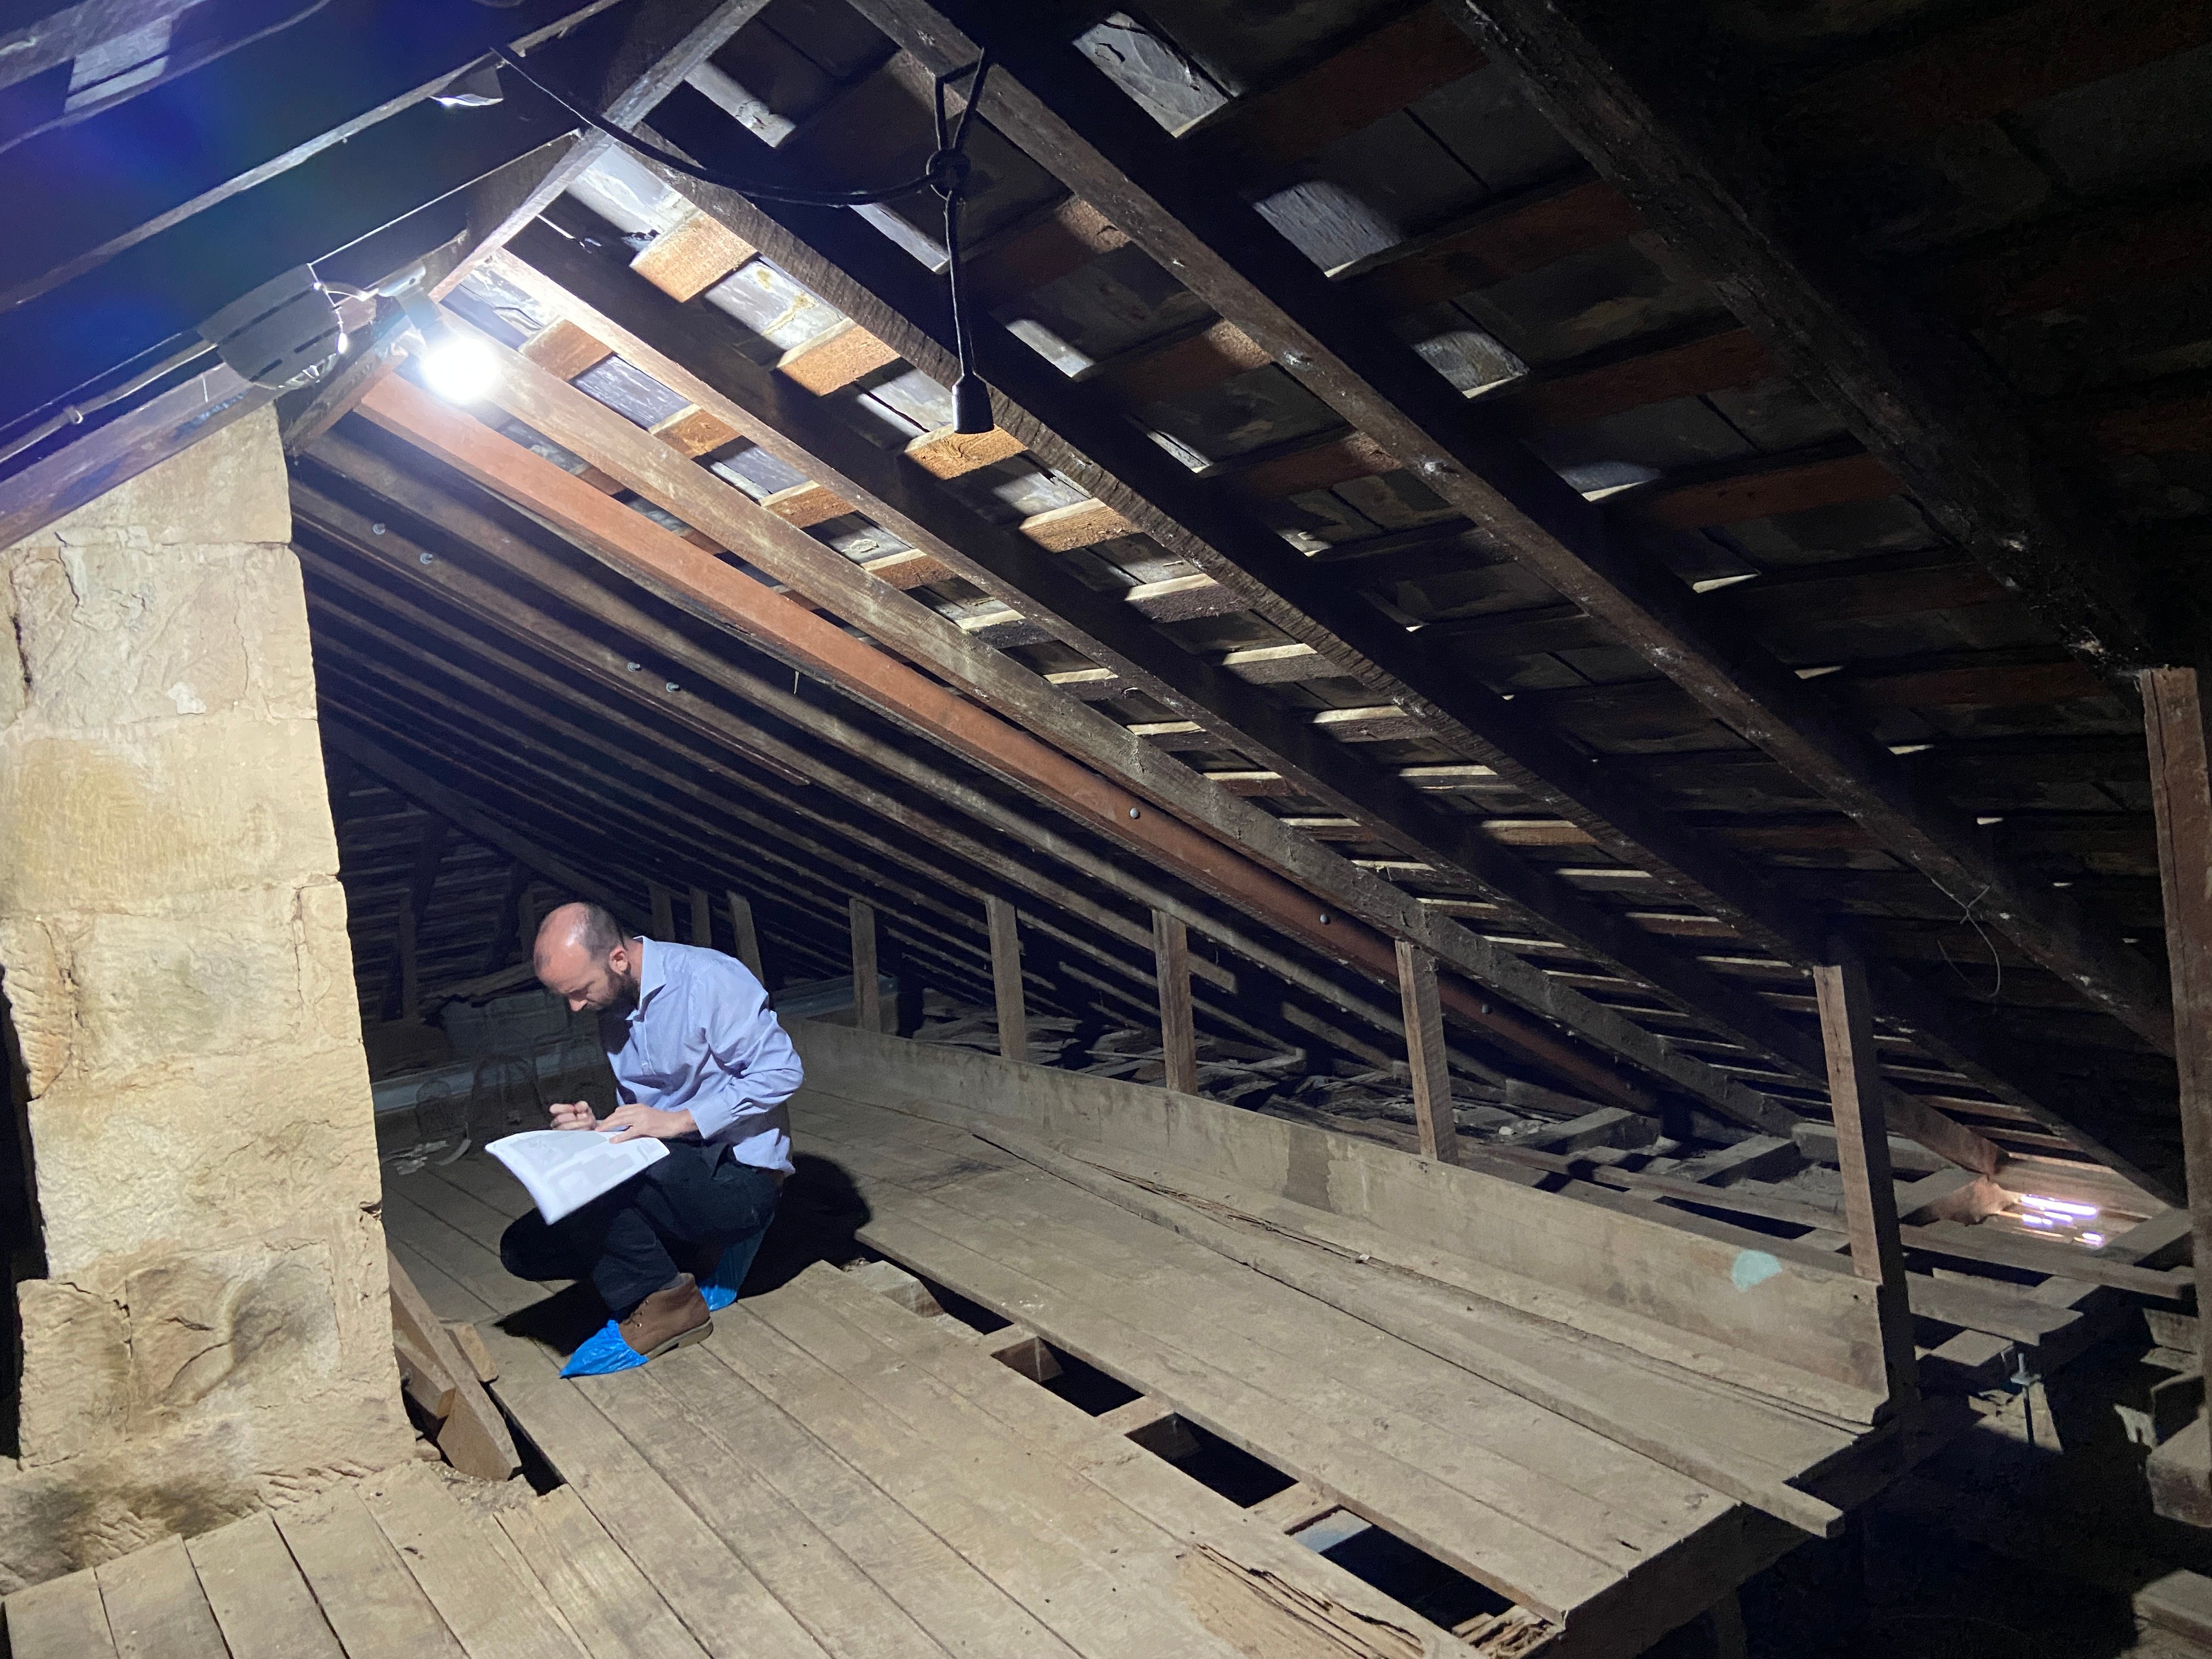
[(686, 575), (696, 355), (1047, 97), (830, 737), (239, 138), (860, 273), (665, 41)]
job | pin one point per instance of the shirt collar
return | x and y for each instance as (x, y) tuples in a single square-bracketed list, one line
[(652, 975)]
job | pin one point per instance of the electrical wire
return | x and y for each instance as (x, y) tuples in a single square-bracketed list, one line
[(946, 174), (760, 190), (74, 414), (971, 398)]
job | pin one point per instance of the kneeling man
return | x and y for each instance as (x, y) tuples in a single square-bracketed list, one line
[(702, 1065)]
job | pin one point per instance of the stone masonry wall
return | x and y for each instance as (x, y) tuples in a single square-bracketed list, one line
[(212, 1335)]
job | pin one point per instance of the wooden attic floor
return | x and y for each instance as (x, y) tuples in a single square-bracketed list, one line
[(836, 1473)]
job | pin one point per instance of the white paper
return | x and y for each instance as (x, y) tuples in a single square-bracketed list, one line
[(565, 1169)]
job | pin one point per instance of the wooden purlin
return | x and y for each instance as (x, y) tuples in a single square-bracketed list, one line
[(702, 583), (1617, 812), (590, 429), (2174, 724), (853, 267), (500, 607), (610, 803), (1044, 95), (665, 42), (659, 338)]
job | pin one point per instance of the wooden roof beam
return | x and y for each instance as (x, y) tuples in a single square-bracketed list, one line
[(663, 341), (846, 262), (498, 606), (1046, 96), (665, 41), (196, 141), (1916, 396), (686, 575), (433, 797), (525, 625)]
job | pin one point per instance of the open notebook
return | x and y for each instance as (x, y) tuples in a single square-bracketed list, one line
[(566, 1169)]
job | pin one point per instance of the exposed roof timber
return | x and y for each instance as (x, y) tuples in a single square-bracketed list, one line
[(113, 454), (355, 209), (1053, 102), (694, 352), (427, 793), (500, 607), (1071, 427), (1919, 398), (683, 573), (843, 261), (62, 32), (218, 132), (494, 766), (708, 822), (665, 41), (408, 664), (698, 498)]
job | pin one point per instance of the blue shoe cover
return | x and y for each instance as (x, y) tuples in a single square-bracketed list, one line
[(602, 1352), (721, 1287)]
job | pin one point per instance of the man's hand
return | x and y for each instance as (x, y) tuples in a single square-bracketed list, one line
[(634, 1121), (572, 1115)]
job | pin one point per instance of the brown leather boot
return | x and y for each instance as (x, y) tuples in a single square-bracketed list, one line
[(672, 1318)]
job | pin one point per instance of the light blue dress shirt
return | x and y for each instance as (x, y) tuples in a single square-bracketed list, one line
[(703, 1039)]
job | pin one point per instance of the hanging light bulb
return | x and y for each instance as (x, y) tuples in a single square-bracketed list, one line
[(456, 367), (460, 368)]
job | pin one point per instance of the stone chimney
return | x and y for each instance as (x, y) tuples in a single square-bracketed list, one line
[(209, 1334)]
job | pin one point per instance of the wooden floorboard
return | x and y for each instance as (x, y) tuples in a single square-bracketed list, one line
[(1494, 1547), (723, 1604), (62, 1618), (1094, 1573), (831, 1474), (607, 1600), (366, 1592), (1171, 1500), (156, 1608), (839, 1604), (1735, 1441), (467, 1568), (263, 1606), (1395, 1433), (1268, 1352)]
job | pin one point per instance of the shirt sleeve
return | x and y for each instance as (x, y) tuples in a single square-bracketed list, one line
[(748, 1064)]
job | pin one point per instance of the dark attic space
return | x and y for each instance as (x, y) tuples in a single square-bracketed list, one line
[(1260, 829)]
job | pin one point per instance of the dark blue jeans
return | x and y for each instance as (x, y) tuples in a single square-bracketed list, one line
[(628, 1242)]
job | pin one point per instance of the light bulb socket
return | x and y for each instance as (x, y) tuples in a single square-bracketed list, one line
[(971, 406)]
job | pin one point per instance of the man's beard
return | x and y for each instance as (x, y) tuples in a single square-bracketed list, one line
[(623, 1001)]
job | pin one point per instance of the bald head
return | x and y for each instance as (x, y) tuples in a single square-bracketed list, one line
[(583, 956)]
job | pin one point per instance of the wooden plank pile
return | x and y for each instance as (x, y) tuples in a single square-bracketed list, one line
[(443, 1368)]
